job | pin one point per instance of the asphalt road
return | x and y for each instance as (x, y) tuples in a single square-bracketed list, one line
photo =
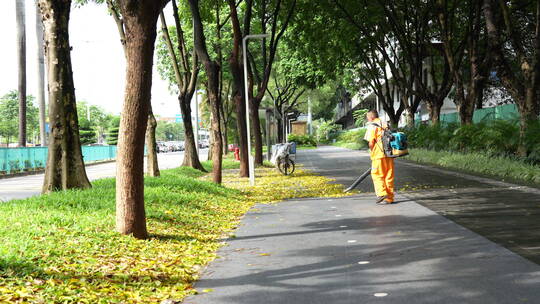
[(350, 250), (27, 186)]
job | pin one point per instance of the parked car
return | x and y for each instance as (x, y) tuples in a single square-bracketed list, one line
[(161, 147), (204, 143)]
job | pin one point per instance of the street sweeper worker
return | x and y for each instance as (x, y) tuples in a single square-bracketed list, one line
[(382, 167)]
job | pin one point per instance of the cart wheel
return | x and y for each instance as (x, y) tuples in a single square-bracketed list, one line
[(286, 166)]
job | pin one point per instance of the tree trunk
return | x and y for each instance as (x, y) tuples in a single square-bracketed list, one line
[(527, 108), (409, 118), (140, 19), (191, 158), (225, 140), (257, 133), (21, 52), (238, 91), (65, 167), (210, 150), (217, 144), (279, 129), (240, 110), (152, 167), (434, 109), (522, 82), (212, 73), (41, 78), (466, 112), (224, 130)]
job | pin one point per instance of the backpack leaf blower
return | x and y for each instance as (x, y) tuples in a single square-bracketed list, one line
[(394, 145), (358, 180)]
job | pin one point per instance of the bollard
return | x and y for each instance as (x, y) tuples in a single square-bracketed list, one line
[(236, 153)]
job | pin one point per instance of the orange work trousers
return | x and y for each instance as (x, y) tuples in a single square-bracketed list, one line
[(382, 173)]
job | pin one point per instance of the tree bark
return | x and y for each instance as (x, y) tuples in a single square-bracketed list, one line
[(191, 158), (224, 130), (409, 118), (280, 129), (21, 52), (212, 73), (41, 77), (257, 134), (434, 109), (140, 18), (522, 80), (466, 112), (152, 167), (186, 81), (528, 114), (65, 167), (238, 91), (152, 159)]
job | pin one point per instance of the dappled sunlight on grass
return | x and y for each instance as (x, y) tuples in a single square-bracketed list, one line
[(62, 247)]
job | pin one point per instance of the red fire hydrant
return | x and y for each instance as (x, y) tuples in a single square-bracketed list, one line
[(237, 153)]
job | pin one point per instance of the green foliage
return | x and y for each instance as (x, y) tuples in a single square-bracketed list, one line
[(167, 130), (352, 139), (112, 132), (496, 138), (360, 117), (474, 162), (324, 130), (302, 140), (9, 113), (532, 141), (93, 122), (431, 137), (87, 136)]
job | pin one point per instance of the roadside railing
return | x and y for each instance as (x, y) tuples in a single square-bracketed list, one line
[(15, 160)]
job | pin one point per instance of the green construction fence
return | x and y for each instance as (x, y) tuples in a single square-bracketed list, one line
[(505, 112), (13, 160)]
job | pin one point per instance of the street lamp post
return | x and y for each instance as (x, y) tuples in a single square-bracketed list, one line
[(251, 161)]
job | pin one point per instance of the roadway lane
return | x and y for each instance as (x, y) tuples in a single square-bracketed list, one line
[(27, 186)]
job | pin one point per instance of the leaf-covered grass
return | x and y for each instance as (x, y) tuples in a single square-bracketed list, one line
[(62, 247), (306, 147), (474, 162)]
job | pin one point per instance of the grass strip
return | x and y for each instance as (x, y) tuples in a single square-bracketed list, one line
[(62, 247), (349, 145), (498, 167)]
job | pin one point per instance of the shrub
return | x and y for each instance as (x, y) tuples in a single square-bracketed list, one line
[(352, 139), (360, 117), (430, 137), (532, 142), (495, 138), (302, 140), (324, 131)]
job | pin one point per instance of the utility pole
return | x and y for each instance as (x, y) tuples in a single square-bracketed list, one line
[(41, 77), (21, 52)]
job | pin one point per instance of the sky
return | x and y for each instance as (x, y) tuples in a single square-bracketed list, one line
[(97, 57)]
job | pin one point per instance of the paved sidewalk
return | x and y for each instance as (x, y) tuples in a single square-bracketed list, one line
[(350, 250)]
